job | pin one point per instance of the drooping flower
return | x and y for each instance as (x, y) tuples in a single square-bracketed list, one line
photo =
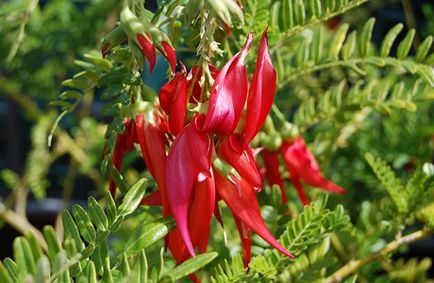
[(261, 92), (241, 158), (228, 94), (240, 197), (188, 162), (303, 166), (272, 171), (173, 100)]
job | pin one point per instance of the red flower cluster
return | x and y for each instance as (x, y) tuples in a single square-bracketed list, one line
[(200, 156), (302, 166)]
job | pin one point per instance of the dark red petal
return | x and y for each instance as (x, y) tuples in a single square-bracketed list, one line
[(228, 94), (300, 160), (170, 55), (188, 158), (241, 200), (148, 50), (299, 188), (201, 211), (261, 92), (231, 150), (173, 100), (246, 240), (272, 172), (152, 199)]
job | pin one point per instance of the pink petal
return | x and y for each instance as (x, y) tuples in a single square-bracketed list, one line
[(189, 157), (231, 150), (228, 94), (241, 200), (148, 50), (261, 92)]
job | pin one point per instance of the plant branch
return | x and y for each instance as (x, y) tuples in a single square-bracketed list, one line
[(296, 29), (21, 224), (354, 265)]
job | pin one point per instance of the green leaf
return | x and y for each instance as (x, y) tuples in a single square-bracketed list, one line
[(112, 212), (424, 48), (389, 39), (107, 276), (97, 215), (53, 244), (337, 41), (132, 199), (426, 73), (349, 46), (11, 268), (34, 245), (405, 45), (390, 182), (43, 269), (84, 224), (4, 275), (71, 230), (91, 273), (119, 180), (191, 265), (141, 268), (365, 37), (23, 256), (147, 234)]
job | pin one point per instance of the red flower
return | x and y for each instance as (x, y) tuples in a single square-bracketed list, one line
[(272, 173), (261, 92), (302, 165), (188, 162), (231, 150), (173, 100), (240, 197), (148, 50), (228, 94)]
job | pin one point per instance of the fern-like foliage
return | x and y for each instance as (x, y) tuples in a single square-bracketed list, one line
[(319, 50), (84, 256), (412, 200), (306, 237), (342, 100)]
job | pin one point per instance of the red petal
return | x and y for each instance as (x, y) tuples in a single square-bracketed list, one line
[(241, 200), (170, 55), (299, 188), (261, 92), (272, 172), (201, 212), (153, 199), (228, 94), (300, 160), (246, 240), (231, 150), (148, 50), (173, 100), (189, 156)]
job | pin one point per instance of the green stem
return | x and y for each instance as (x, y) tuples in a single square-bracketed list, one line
[(354, 265)]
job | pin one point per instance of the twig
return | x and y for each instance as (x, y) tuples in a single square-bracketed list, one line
[(354, 265), (21, 224)]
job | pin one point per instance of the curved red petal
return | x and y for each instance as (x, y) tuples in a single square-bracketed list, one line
[(188, 158), (228, 94), (261, 92), (246, 240), (170, 55), (173, 100), (148, 50), (241, 200), (152, 199), (272, 172), (231, 150), (301, 161)]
